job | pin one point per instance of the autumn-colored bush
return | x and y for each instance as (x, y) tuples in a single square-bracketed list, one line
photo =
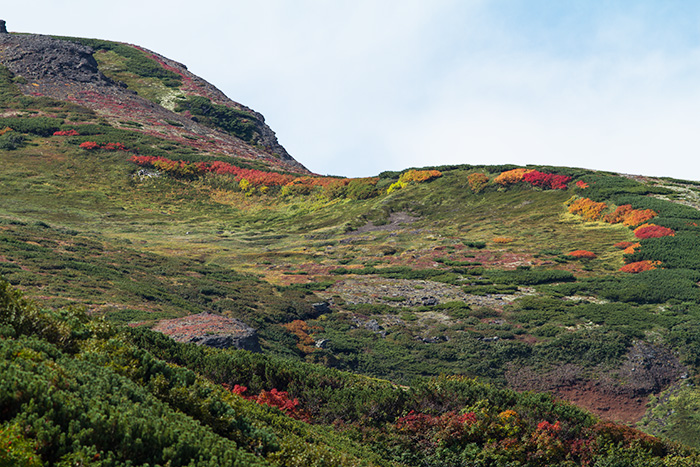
[(477, 181), (623, 245), (301, 330), (619, 214), (581, 184), (582, 254), (653, 231), (503, 240), (639, 216), (510, 177), (629, 250), (113, 147), (640, 266), (255, 178), (628, 216), (66, 133), (398, 185), (419, 176), (89, 145), (546, 180), (587, 208), (274, 398)]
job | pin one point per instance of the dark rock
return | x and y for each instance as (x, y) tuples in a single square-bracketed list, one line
[(38, 57), (321, 308), (429, 301), (248, 341), (3, 27)]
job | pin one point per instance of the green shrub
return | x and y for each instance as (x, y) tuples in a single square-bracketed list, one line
[(41, 126), (236, 122)]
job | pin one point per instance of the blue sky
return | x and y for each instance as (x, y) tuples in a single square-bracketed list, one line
[(357, 87)]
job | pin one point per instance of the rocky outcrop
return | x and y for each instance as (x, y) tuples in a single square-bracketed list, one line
[(211, 330), (3, 27), (37, 57)]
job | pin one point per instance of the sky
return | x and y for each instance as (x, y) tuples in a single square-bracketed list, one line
[(358, 87)]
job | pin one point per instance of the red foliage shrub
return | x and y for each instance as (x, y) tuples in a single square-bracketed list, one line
[(623, 245), (114, 147), (66, 133), (254, 177), (274, 398), (581, 184), (640, 266), (653, 231), (89, 145), (583, 254), (546, 180)]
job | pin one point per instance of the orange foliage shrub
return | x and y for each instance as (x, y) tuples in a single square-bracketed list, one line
[(638, 216), (511, 176), (502, 240), (477, 181), (623, 245), (583, 254), (581, 184), (653, 231), (419, 176), (619, 214), (630, 249), (587, 208), (301, 330), (640, 266)]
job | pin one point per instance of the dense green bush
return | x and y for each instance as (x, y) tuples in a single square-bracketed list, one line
[(528, 276), (236, 122), (605, 187), (11, 141), (41, 126)]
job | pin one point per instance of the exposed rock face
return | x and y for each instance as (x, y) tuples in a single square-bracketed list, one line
[(43, 57), (3, 27), (211, 330)]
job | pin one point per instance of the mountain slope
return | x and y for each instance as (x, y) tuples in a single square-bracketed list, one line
[(571, 281)]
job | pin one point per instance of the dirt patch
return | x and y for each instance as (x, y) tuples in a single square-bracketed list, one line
[(618, 394)]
